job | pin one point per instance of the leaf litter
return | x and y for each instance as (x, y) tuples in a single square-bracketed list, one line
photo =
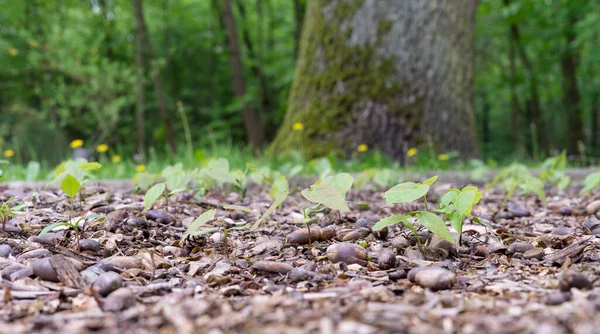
[(532, 269)]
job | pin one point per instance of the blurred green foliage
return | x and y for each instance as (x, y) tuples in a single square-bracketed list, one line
[(67, 72)]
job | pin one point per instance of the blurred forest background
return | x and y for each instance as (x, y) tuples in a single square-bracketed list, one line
[(132, 73)]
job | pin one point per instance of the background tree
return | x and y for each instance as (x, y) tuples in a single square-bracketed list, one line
[(389, 74)]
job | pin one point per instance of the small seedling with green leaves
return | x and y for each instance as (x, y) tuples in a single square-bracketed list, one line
[(193, 229), (329, 192), (78, 172), (408, 192), (458, 204), (71, 224), (553, 171), (591, 182), (6, 213), (518, 176)]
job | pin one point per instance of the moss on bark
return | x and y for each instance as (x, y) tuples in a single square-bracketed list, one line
[(332, 77)]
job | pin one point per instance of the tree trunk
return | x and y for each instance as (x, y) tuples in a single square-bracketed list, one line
[(514, 101), (571, 96), (299, 8), (252, 119), (386, 73), (533, 87), (155, 72), (139, 79)]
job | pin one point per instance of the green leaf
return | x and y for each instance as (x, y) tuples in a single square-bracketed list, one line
[(456, 220), (52, 227), (392, 220), (278, 201), (33, 170), (278, 187), (406, 192), (240, 208), (90, 166), (19, 207), (342, 182), (198, 222), (144, 180), (449, 197), (327, 195), (464, 202), (202, 232), (70, 186), (430, 180), (153, 194), (435, 224)]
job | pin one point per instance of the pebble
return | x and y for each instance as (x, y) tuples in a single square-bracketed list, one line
[(434, 278), (33, 254), (5, 250), (301, 274), (11, 269), (118, 300), (175, 251), (517, 210), (561, 230), (571, 279), (160, 216), (89, 245), (519, 247), (387, 259), (44, 270), (107, 283), (535, 253), (400, 242), (25, 272), (397, 275), (557, 298), (103, 209), (593, 207), (124, 262)]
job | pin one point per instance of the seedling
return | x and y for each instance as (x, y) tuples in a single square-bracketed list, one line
[(518, 176), (458, 204), (79, 172), (329, 192), (153, 194), (554, 171), (591, 182), (70, 224), (209, 215), (6, 213)]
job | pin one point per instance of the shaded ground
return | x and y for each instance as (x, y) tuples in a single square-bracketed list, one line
[(534, 271)]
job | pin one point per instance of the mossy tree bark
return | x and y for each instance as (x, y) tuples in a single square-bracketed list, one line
[(390, 74)]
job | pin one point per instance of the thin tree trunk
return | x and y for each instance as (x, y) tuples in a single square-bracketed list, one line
[(594, 122), (139, 79), (252, 119), (155, 73), (571, 96), (515, 105), (533, 85), (299, 9)]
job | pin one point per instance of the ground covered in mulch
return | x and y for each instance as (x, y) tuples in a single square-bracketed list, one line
[(534, 271)]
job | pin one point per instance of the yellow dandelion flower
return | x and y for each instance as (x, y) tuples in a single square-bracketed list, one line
[(33, 43), (9, 153), (76, 143), (116, 159), (102, 148), (362, 148), (411, 152), (140, 168), (298, 126), (443, 157), (13, 52)]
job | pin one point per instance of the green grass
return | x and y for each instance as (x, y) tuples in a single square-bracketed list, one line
[(239, 157)]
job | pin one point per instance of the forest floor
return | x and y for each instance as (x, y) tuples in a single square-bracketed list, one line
[(534, 271)]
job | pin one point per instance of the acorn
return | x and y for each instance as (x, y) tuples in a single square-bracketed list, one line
[(347, 253), (300, 237), (273, 266)]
